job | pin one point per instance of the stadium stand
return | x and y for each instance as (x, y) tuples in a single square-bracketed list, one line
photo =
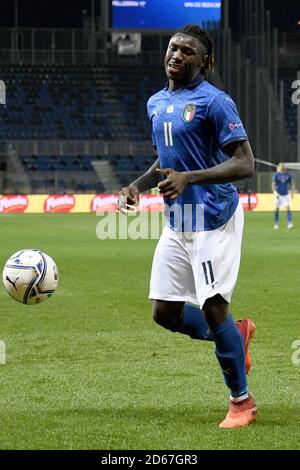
[(64, 103), (54, 102)]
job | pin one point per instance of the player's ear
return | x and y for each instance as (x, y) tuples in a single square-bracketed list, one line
[(203, 65), (205, 61)]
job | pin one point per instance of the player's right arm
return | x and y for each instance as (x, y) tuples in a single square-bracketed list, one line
[(130, 195)]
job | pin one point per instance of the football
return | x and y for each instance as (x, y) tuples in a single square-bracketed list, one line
[(30, 276)]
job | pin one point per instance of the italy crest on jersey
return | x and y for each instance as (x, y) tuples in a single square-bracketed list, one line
[(189, 112)]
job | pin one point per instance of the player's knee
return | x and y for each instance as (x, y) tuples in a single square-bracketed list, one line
[(164, 316), (215, 310), (160, 316)]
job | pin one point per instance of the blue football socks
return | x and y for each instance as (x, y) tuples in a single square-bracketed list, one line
[(289, 216), (194, 324), (231, 356), (276, 217), (229, 346)]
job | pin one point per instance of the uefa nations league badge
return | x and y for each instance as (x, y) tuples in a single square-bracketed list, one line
[(189, 112)]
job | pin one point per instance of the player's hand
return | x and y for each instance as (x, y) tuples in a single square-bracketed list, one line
[(128, 199), (174, 184)]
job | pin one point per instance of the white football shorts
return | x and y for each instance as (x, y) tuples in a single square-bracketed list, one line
[(194, 267), (282, 201)]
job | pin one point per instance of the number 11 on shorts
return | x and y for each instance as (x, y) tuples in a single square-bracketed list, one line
[(208, 272)]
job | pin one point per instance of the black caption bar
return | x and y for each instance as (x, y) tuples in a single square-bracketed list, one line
[(131, 459)]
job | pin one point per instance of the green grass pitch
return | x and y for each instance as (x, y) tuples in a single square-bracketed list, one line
[(89, 369)]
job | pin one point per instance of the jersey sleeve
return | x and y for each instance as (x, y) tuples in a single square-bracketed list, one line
[(150, 112), (225, 120)]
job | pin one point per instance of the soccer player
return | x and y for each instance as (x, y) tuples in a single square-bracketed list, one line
[(281, 183), (201, 148)]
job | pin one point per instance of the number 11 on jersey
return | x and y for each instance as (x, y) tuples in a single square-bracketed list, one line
[(168, 134)]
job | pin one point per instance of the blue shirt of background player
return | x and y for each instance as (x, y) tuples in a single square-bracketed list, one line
[(282, 182), (194, 141)]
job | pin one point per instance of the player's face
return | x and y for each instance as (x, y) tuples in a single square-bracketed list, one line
[(184, 58), (281, 168)]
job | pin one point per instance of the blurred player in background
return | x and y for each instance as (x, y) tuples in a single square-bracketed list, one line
[(201, 147), (281, 183)]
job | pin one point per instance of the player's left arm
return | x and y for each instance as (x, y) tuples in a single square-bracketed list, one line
[(240, 165), (293, 187)]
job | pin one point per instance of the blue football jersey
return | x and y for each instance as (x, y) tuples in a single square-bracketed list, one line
[(282, 182), (190, 126)]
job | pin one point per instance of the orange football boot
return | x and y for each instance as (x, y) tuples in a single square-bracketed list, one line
[(247, 329), (240, 414)]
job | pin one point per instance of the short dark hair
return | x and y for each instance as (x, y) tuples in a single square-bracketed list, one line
[(205, 40)]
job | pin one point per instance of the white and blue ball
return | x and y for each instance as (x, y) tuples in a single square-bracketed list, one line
[(30, 276)]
